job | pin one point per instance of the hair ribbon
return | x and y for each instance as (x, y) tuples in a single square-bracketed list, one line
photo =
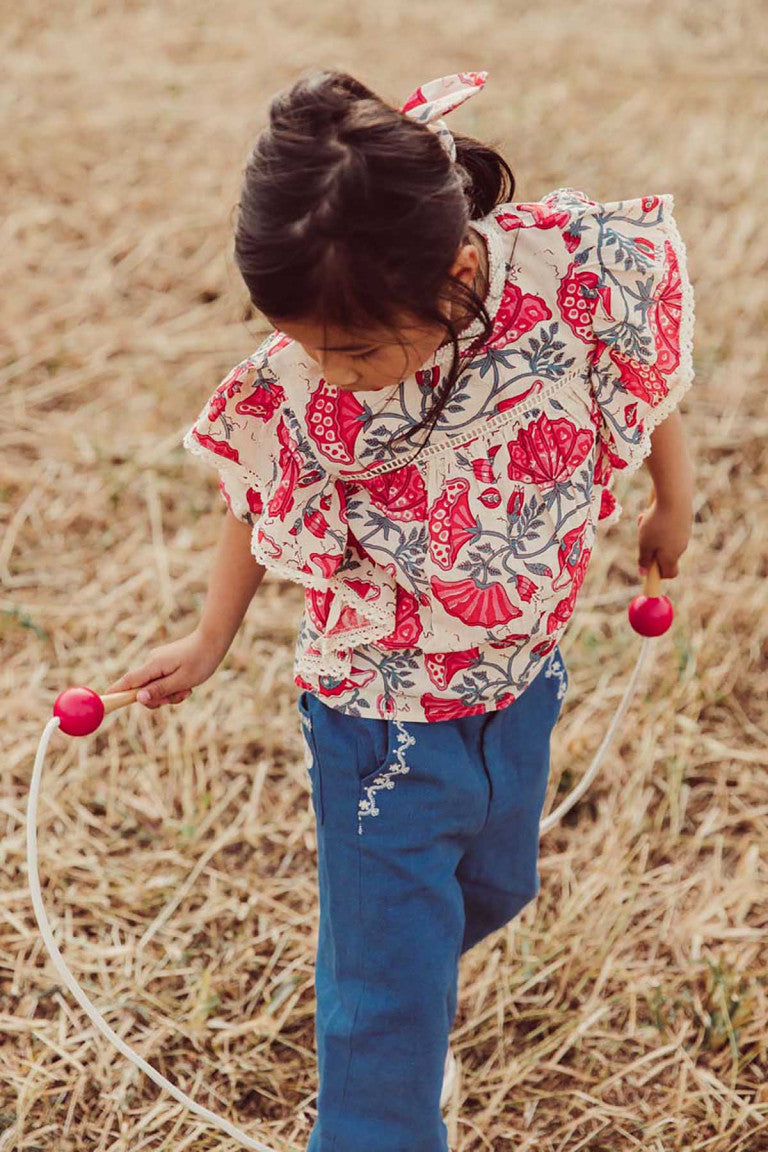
[(433, 100)]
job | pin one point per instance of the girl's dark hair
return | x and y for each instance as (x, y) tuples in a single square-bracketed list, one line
[(352, 214)]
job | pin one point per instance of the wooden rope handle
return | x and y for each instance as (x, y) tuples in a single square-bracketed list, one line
[(116, 700), (119, 700), (652, 582)]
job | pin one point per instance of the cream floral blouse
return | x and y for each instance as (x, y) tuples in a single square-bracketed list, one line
[(436, 585)]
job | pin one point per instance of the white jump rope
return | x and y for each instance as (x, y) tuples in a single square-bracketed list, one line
[(651, 626)]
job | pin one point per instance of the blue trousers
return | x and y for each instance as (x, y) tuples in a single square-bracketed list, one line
[(427, 840)]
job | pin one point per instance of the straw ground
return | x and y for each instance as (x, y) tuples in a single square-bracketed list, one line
[(626, 1008)]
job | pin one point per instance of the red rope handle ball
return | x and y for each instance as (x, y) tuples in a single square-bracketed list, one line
[(81, 710), (650, 614)]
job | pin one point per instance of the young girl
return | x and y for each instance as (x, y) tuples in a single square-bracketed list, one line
[(427, 443)]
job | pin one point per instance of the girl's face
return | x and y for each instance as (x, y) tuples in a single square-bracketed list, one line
[(370, 361)]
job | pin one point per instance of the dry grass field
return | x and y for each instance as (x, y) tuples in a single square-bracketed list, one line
[(626, 1008)]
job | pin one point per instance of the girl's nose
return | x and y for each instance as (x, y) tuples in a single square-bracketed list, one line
[(338, 375), (338, 381)]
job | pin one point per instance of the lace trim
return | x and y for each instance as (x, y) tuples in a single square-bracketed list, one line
[(513, 416), (337, 665)]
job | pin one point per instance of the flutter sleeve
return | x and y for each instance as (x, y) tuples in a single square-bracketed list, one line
[(643, 321), (252, 430), (236, 433)]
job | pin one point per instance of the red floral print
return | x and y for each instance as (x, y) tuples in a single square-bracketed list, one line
[(483, 604), (262, 401), (443, 666), (513, 401), (437, 708), (564, 608), (316, 523), (607, 504), (482, 466), (516, 502), (664, 315), (543, 217), (505, 700), (230, 385), (290, 463), (518, 313), (514, 638), (365, 589), (318, 603), (568, 556), (419, 97), (217, 405), (358, 678), (220, 447), (253, 498), (400, 493), (548, 451), (349, 618), (408, 627), (491, 497), (525, 587), (279, 341), (334, 421), (451, 523), (386, 705), (577, 308), (642, 380), (327, 563)]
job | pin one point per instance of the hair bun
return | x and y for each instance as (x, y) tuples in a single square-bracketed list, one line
[(320, 99)]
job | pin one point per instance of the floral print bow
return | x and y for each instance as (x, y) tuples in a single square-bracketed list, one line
[(433, 100)]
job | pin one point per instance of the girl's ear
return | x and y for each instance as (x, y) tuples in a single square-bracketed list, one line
[(465, 267), (466, 264)]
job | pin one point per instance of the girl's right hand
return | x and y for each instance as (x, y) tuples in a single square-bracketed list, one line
[(172, 670)]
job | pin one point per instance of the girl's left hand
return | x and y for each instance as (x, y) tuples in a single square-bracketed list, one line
[(663, 535)]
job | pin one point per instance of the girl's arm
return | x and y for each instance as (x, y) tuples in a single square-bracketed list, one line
[(669, 464), (665, 528), (235, 576)]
